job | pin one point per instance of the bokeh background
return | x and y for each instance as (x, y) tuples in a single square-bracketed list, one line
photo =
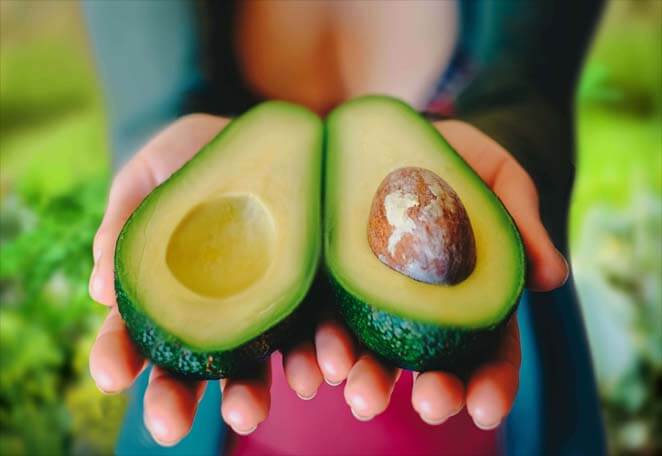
[(54, 175)]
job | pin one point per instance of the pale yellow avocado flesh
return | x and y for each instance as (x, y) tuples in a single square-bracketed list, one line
[(222, 246), (229, 245), (367, 139)]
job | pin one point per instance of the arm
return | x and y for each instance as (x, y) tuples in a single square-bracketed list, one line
[(530, 113), (524, 98)]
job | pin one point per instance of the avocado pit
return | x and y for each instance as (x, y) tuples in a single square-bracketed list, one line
[(419, 227)]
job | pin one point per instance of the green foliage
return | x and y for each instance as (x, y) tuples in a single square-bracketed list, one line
[(625, 68), (34, 429), (24, 92), (618, 263), (44, 270), (30, 411), (616, 221), (29, 370), (55, 156), (53, 183), (47, 324), (94, 416)]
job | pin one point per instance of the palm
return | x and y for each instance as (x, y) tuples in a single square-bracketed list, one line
[(488, 394)]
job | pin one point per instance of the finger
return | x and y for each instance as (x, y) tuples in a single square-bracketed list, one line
[(246, 402), (301, 370), (437, 396), (548, 269), (129, 188), (492, 388), (170, 406), (369, 387), (335, 352), (114, 361), (482, 153)]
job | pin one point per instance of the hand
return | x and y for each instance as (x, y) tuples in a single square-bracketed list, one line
[(436, 396), (170, 403)]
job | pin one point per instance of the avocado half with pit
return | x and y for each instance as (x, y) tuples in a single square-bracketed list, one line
[(411, 323), (212, 267)]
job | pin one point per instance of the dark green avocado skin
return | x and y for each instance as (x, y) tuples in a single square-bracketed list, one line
[(172, 354), (416, 345)]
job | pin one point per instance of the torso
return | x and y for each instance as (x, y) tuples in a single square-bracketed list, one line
[(320, 53)]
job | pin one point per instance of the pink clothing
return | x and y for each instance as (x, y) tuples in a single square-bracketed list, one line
[(325, 426)]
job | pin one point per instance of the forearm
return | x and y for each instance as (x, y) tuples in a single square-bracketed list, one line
[(541, 139), (523, 98)]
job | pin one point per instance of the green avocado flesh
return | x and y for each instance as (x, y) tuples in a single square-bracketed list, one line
[(412, 324), (211, 268)]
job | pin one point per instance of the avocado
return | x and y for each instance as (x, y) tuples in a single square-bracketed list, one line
[(453, 320), (211, 268)]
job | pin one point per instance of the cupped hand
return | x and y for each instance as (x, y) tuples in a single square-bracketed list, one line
[(170, 403), (490, 391)]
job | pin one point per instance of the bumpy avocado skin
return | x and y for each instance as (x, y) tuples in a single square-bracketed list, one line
[(417, 345), (167, 351)]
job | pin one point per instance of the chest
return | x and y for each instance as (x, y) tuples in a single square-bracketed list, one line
[(320, 53)]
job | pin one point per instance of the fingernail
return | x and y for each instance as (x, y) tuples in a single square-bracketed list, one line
[(157, 429), (433, 422), (357, 402), (436, 421), (104, 383), (104, 392), (567, 267), (307, 398), (161, 442), (332, 383), (235, 419), (361, 417), (246, 432), (486, 427)]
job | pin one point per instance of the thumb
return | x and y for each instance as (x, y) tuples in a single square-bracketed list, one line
[(129, 188), (547, 268)]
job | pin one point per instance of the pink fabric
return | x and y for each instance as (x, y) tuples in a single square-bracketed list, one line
[(325, 426)]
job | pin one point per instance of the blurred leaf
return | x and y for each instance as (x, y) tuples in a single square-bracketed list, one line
[(625, 59), (95, 416), (29, 361)]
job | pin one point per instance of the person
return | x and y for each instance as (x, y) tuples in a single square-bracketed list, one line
[(501, 75)]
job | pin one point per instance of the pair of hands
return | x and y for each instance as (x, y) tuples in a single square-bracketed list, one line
[(170, 403)]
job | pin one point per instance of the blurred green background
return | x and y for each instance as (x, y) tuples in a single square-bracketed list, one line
[(54, 175)]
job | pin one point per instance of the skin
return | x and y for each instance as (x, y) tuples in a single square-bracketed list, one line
[(170, 404)]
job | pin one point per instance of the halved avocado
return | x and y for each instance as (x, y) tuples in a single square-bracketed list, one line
[(212, 266), (412, 324)]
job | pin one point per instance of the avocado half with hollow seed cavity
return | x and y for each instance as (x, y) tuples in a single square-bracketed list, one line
[(411, 323), (212, 267)]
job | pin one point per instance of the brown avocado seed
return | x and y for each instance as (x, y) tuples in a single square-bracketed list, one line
[(419, 227)]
